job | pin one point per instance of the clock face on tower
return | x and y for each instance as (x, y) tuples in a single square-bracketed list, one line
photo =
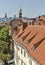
[(15, 23)]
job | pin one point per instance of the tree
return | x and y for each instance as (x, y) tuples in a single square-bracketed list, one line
[(5, 40)]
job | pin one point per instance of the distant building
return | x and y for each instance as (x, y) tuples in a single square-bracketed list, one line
[(40, 20), (17, 20), (14, 16), (6, 21), (30, 21), (5, 17)]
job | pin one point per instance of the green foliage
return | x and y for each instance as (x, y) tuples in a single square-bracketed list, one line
[(5, 56), (3, 46), (4, 34), (5, 40), (1, 27)]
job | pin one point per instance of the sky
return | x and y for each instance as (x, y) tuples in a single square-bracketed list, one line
[(30, 8)]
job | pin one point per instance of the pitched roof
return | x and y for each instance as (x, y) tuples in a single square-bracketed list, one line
[(36, 47)]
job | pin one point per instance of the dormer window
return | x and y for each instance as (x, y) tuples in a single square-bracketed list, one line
[(27, 42), (37, 44), (39, 23), (22, 38), (20, 34), (32, 48)]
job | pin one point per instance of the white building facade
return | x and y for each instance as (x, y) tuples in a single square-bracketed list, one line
[(22, 57)]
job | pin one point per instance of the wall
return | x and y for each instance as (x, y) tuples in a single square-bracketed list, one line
[(21, 56)]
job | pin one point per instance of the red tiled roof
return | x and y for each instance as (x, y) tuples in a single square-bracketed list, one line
[(37, 38), (38, 22)]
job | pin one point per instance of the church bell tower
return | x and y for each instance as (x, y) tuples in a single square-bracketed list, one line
[(20, 16), (20, 13)]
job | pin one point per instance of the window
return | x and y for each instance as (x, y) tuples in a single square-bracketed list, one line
[(22, 63), (30, 23), (30, 62), (24, 54), (18, 47), (33, 23), (21, 51), (39, 23)]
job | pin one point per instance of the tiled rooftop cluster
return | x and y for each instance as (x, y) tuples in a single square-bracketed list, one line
[(33, 39), (30, 33)]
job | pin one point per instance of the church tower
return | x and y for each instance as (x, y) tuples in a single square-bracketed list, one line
[(20, 16), (20, 13), (5, 17)]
